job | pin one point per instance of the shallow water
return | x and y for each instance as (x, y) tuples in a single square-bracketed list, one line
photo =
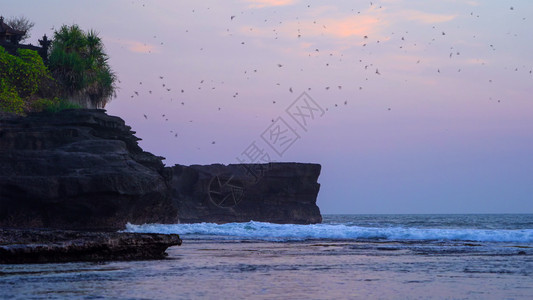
[(229, 267)]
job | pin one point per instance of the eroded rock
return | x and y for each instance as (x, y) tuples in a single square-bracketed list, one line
[(45, 246), (79, 169), (275, 192), (83, 169)]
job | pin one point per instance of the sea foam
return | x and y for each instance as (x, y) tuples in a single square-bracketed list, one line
[(291, 232)]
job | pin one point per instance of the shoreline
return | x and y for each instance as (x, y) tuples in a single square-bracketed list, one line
[(242, 269)]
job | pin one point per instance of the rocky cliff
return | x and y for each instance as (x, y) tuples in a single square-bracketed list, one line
[(83, 169), (78, 169), (276, 193)]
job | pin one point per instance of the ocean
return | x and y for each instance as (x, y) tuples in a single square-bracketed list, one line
[(345, 257)]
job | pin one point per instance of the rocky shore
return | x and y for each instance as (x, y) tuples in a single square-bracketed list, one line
[(83, 170), (41, 245)]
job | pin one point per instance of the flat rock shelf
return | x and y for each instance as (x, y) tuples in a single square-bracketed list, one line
[(19, 246)]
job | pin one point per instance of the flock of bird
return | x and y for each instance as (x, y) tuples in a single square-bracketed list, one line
[(329, 58)]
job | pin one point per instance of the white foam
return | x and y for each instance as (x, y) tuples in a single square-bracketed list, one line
[(287, 232)]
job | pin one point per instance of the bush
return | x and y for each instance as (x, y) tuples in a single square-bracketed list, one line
[(24, 72), (9, 99), (34, 71), (52, 105)]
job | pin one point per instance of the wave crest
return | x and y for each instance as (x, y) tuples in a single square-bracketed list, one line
[(291, 232)]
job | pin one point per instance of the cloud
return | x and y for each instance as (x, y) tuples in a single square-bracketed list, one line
[(424, 17), (137, 47), (476, 61), (269, 3), (337, 28), (349, 27)]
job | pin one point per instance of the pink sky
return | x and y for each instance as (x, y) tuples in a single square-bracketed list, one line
[(438, 115)]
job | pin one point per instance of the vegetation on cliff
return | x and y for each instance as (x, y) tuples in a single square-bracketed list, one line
[(79, 63), (77, 75), (22, 78)]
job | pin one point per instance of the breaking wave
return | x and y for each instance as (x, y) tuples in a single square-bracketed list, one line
[(290, 232)]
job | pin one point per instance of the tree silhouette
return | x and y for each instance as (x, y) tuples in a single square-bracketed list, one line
[(21, 23)]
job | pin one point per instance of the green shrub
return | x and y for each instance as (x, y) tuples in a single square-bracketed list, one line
[(24, 72), (42, 103), (52, 105), (9, 99), (33, 70)]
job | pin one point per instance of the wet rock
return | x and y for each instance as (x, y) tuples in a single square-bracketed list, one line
[(45, 246)]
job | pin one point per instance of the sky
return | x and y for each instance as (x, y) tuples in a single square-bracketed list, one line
[(410, 106)]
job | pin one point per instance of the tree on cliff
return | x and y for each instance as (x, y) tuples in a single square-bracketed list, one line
[(79, 63), (21, 23)]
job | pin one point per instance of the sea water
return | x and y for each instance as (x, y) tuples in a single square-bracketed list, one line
[(345, 257)]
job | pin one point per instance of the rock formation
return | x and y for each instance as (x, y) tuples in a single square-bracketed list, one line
[(83, 169), (43, 246), (78, 169), (276, 193)]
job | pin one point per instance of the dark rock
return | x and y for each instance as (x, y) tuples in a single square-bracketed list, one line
[(44, 246), (79, 169), (276, 193), (84, 170)]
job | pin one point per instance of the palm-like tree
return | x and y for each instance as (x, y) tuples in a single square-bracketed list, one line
[(79, 62)]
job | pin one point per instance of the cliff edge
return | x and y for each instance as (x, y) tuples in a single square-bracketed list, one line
[(84, 170), (78, 169), (275, 193)]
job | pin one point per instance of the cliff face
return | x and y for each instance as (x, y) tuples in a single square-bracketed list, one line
[(276, 192), (78, 169), (83, 169)]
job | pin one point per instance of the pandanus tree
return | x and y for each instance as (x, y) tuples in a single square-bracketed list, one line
[(80, 65)]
